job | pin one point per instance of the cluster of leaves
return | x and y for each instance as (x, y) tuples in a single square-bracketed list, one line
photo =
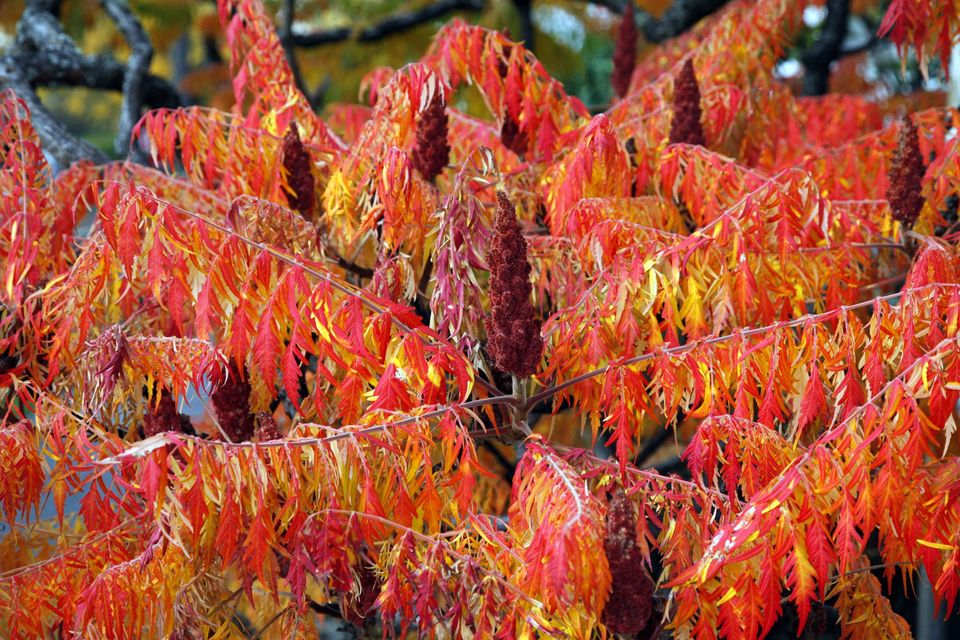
[(333, 293)]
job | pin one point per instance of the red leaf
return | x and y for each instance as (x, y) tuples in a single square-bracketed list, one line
[(813, 404), (266, 347), (129, 240), (258, 555), (391, 394), (153, 479), (196, 508), (350, 394), (228, 531), (821, 552)]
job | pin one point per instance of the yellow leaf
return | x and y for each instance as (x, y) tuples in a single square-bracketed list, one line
[(935, 545), (729, 595), (434, 375), (770, 507)]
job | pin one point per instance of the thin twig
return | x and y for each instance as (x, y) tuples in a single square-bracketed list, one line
[(82, 546), (270, 623), (176, 438), (138, 62), (857, 245), (796, 322)]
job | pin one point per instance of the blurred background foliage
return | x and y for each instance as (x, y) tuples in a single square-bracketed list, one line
[(573, 39)]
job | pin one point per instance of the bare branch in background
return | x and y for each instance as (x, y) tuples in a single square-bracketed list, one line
[(822, 53), (285, 33), (44, 55), (57, 141), (141, 53), (679, 16), (52, 61)]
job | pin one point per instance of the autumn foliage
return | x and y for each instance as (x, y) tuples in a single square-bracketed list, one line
[(344, 304), (301, 196)]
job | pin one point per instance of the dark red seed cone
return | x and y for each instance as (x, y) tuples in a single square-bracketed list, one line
[(686, 126), (511, 135), (432, 152), (513, 331), (356, 606), (906, 176), (164, 417), (266, 428), (631, 598), (297, 165), (625, 53), (231, 403), (184, 631)]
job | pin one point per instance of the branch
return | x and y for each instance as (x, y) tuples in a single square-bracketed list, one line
[(822, 53), (270, 623), (331, 609), (509, 468), (46, 56), (868, 43), (551, 391), (524, 10), (56, 140), (395, 23), (652, 445), (141, 53), (42, 54), (345, 264), (674, 464), (679, 16), (285, 32)]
